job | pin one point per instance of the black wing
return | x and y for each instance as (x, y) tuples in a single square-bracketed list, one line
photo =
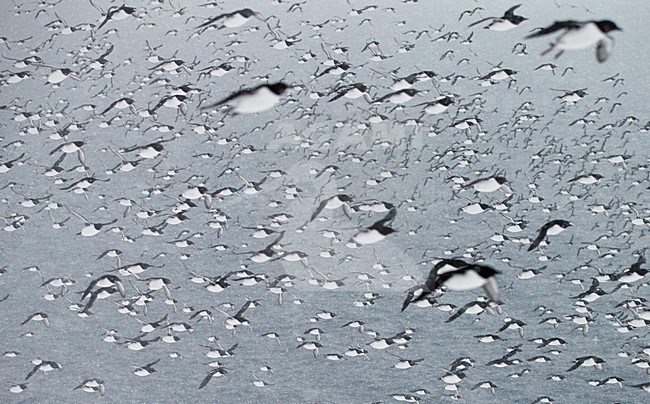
[(212, 21), (208, 378), (459, 312), (233, 96), (149, 365), (341, 92), (557, 26), (410, 296), (109, 16), (540, 237), (89, 289), (319, 209), (30, 374), (480, 21), (387, 219), (511, 11)]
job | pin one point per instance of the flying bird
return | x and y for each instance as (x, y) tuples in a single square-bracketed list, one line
[(551, 228), (508, 21), (253, 100), (580, 35), (335, 202), (456, 274), (377, 232), (231, 20)]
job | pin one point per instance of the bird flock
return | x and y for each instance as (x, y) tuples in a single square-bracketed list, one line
[(345, 201)]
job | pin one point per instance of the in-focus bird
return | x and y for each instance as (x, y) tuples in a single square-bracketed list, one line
[(509, 20), (117, 14), (551, 228)]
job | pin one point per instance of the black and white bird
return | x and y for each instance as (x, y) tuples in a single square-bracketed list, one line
[(377, 232), (231, 20), (587, 361), (219, 371), (44, 366), (253, 100), (398, 97), (580, 35), (552, 228), (352, 91), (117, 14), (490, 184), (335, 202), (456, 274), (508, 21)]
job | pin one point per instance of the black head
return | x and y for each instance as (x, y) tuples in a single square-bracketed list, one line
[(607, 26), (247, 12), (361, 87), (446, 101), (517, 19), (426, 74), (500, 180), (485, 271), (384, 230), (278, 88)]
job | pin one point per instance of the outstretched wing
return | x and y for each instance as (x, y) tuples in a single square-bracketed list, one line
[(212, 20), (459, 313), (557, 26), (319, 209), (231, 97), (387, 219), (511, 11), (410, 296), (208, 378), (480, 21), (538, 240), (30, 374), (339, 94), (89, 289)]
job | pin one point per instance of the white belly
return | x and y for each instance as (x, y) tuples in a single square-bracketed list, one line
[(262, 100), (435, 109), (465, 281), (501, 25), (580, 38), (235, 21)]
